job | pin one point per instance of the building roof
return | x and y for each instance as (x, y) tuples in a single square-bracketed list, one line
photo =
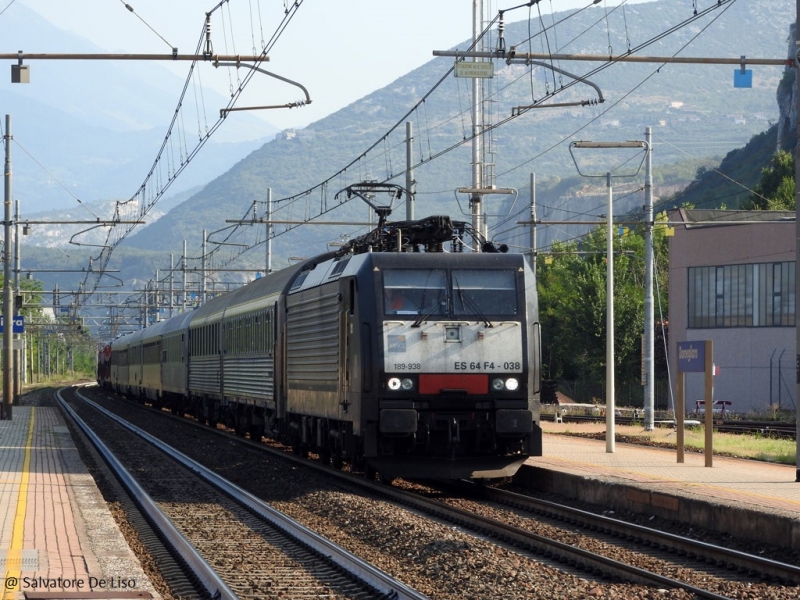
[(720, 218)]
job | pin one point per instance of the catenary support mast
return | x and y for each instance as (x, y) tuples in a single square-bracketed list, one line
[(797, 236), (8, 312)]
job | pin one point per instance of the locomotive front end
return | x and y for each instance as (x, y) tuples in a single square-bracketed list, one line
[(459, 377)]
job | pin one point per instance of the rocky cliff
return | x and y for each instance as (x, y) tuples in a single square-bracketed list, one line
[(787, 102)]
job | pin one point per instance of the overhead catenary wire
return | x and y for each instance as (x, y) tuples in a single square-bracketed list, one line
[(7, 6), (364, 154), (56, 179), (422, 104), (387, 148), (624, 96), (138, 16), (144, 205)]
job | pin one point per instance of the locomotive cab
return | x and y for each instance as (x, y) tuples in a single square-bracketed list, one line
[(390, 353), (458, 369)]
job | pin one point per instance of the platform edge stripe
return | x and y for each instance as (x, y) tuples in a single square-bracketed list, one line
[(17, 537)]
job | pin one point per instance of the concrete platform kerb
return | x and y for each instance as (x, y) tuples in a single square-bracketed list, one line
[(745, 498), (57, 534)]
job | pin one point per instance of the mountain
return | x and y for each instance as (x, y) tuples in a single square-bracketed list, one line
[(92, 129), (693, 109), (696, 115), (54, 228)]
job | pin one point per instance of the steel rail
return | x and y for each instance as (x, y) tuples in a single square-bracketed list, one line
[(521, 538), (377, 579), (563, 552), (719, 554), (214, 586), (558, 551)]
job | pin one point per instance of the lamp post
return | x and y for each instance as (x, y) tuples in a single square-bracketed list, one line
[(610, 404), (8, 310)]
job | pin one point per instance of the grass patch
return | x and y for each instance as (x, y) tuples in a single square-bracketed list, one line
[(756, 446), (752, 446)]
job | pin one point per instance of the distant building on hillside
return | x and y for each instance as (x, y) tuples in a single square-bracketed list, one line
[(734, 284), (292, 134)]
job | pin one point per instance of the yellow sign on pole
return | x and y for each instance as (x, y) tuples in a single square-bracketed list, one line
[(474, 70)]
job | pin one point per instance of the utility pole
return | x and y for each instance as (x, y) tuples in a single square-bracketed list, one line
[(481, 184), (8, 311), (156, 300), (797, 234), (610, 389), (410, 183), (171, 284), (649, 321), (203, 272), (610, 394), (475, 201), (183, 260), (533, 224), (19, 341), (269, 232)]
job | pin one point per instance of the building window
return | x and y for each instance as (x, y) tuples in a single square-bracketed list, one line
[(748, 295)]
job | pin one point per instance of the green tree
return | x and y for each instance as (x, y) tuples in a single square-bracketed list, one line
[(776, 190), (572, 303), (31, 296)]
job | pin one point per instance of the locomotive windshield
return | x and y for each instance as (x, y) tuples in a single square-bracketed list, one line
[(484, 292), (474, 292), (415, 291)]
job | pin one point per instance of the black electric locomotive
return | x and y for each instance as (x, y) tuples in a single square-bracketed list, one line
[(392, 353)]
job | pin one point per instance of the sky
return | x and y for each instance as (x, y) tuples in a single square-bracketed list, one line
[(340, 50)]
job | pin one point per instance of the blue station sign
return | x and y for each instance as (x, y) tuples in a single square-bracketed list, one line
[(18, 326), (692, 357)]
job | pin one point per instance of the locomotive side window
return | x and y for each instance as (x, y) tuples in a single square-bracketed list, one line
[(415, 292), (484, 292)]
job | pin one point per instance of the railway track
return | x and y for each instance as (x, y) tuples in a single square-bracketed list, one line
[(232, 545), (714, 560), (607, 547), (763, 428), (599, 557)]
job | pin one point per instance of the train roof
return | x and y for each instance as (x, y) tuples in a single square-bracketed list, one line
[(272, 284), (448, 259), (178, 322), (349, 265), (126, 340), (428, 233)]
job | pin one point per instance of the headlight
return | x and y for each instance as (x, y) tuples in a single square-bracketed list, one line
[(395, 383), (510, 384)]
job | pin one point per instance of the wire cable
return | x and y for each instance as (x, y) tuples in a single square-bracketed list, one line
[(130, 8), (7, 7)]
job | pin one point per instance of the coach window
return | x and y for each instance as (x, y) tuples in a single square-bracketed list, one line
[(270, 332), (415, 291)]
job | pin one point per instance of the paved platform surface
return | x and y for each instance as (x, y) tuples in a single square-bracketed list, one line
[(57, 534), (747, 498)]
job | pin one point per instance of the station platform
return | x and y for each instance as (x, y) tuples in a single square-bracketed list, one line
[(58, 538), (745, 498)]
